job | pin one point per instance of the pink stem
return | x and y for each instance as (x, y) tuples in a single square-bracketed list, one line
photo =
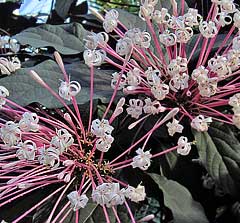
[(37, 205), (91, 96)]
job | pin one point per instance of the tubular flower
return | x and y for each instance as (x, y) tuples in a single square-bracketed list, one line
[(68, 90), (10, 133), (62, 141), (142, 160), (29, 122), (77, 201), (200, 123), (135, 194), (174, 127), (26, 150), (184, 146)]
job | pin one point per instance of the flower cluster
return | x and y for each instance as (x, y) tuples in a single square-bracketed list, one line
[(38, 150), (164, 75), (109, 194)]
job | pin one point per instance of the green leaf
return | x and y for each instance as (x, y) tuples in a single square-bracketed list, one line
[(130, 20), (66, 38), (24, 90), (62, 7), (94, 213), (152, 207), (220, 154), (180, 201)]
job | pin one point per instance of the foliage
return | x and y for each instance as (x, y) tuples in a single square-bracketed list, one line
[(74, 88)]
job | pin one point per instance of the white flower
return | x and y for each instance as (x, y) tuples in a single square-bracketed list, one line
[(9, 66), (92, 41), (117, 197), (174, 127), (110, 22), (135, 194), (160, 91), (236, 19), (62, 141), (236, 43), (29, 122), (133, 77), (234, 101), (69, 90), (106, 193), (176, 22), (224, 19), (233, 57), (3, 94), (192, 18), (146, 10), (200, 74), (227, 6), (135, 108), (200, 123), (94, 57), (124, 46), (101, 128), (139, 38), (153, 107), (142, 160), (14, 45), (176, 66), (208, 87), (153, 76), (77, 201), (184, 146), (103, 144), (220, 66), (10, 133), (161, 17), (26, 150), (208, 29), (179, 81), (184, 34), (167, 38), (49, 156), (115, 78)]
